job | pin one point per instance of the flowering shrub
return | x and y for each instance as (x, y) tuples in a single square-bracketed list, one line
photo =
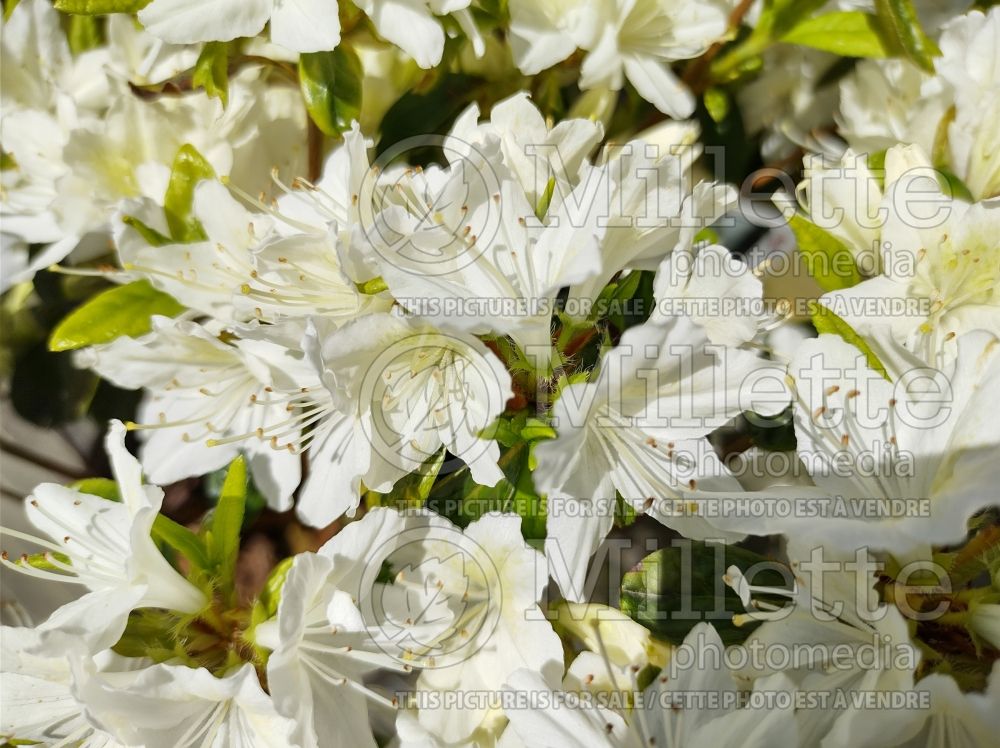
[(529, 373)]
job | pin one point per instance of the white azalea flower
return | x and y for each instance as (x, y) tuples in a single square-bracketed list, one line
[(845, 197), (491, 581), (641, 38), (878, 101), (633, 39), (544, 34), (308, 25), (45, 94), (646, 202), (968, 65), (890, 101), (301, 26), (468, 253), (82, 140), (942, 271), (715, 289), (37, 695), (788, 101), (106, 546), (652, 209), (398, 391), (250, 266), (324, 645), (931, 256), (867, 441), (616, 648), (171, 706), (410, 733), (664, 715), (944, 717), (411, 25), (833, 620), (638, 430), (533, 151), (201, 390)]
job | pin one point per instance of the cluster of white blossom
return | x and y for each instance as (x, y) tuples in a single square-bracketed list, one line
[(536, 308)]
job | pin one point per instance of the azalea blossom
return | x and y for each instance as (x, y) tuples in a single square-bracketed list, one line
[(633, 39), (167, 705), (106, 546), (37, 692), (866, 439), (324, 644), (832, 614), (638, 429), (559, 718), (885, 102), (202, 389), (483, 621), (307, 25), (942, 270)]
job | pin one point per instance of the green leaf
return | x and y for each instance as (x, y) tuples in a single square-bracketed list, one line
[(781, 15), (214, 482), (103, 487), (95, 7), (211, 71), (675, 588), (849, 34), (266, 605), (151, 236), (545, 199), (827, 258), (122, 310), (777, 18), (411, 491), (625, 513), (901, 25), (182, 540), (373, 286), (84, 33), (189, 168), (222, 537), (462, 500), (331, 87), (717, 104), (827, 322), (430, 110)]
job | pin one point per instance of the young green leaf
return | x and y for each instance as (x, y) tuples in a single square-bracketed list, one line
[(900, 23), (717, 104), (103, 487), (223, 535), (189, 168), (826, 321), (779, 16), (151, 236), (83, 33), (211, 71), (675, 588), (95, 7), (849, 34), (828, 259), (182, 540), (331, 87), (122, 310)]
